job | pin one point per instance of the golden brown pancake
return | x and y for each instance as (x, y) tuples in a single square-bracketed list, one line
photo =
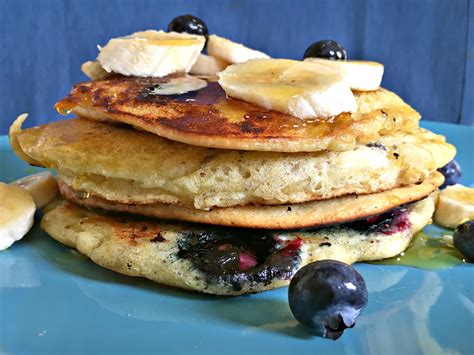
[(303, 215), (132, 167), (208, 118), (188, 256)]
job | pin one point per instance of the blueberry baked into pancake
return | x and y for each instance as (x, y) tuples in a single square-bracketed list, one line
[(226, 261), (227, 172)]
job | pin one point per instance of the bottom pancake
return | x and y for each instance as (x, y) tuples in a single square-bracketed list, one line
[(303, 215), (226, 261)]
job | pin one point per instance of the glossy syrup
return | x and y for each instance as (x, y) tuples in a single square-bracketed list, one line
[(429, 251), (65, 107)]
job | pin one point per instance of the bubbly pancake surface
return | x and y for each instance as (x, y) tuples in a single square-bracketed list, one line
[(132, 167), (191, 257), (208, 118)]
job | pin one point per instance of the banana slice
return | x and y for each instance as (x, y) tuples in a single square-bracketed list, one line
[(179, 85), (151, 53), (360, 75), (17, 210), (207, 65), (455, 204), (231, 52), (43, 187), (175, 86), (94, 70), (301, 89)]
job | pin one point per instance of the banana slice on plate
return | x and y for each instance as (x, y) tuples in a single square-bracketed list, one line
[(151, 53), (359, 74), (18, 203), (455, 204), (231, 52), (43, 187), (207, 65), (17, 210), (301, 89)]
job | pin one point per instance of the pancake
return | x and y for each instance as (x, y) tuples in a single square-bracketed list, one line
[(304, 215), (207, 118), (192, 257), (132, 167)]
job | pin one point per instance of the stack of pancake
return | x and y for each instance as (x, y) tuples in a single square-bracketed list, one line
[(208, 193)]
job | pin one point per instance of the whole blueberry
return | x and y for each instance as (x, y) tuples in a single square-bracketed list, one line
[(189, 24), (463, 239), (451, 172), (327, 295), (327, 49)]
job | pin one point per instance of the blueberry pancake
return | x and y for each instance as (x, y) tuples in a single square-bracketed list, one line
[(226, 261), (126, 166)]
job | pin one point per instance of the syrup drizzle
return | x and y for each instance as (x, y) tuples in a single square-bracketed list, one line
[(428, 251)]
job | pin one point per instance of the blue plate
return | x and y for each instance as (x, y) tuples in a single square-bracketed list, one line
[(55, 301)]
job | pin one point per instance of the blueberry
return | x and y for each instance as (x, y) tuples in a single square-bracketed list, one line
[(463, 239), (327, 295), (326, 49), (451, 172), (189, 24)]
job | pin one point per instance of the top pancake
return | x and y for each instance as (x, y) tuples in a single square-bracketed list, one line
[(208, 118)]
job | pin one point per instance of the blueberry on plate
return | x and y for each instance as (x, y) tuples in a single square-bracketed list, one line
[(451, 172), (463, 239), (327, 49), (327, 295), (189, 24)]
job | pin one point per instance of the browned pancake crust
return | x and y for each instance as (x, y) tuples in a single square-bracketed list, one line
[(207, 118), (295, 216)]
